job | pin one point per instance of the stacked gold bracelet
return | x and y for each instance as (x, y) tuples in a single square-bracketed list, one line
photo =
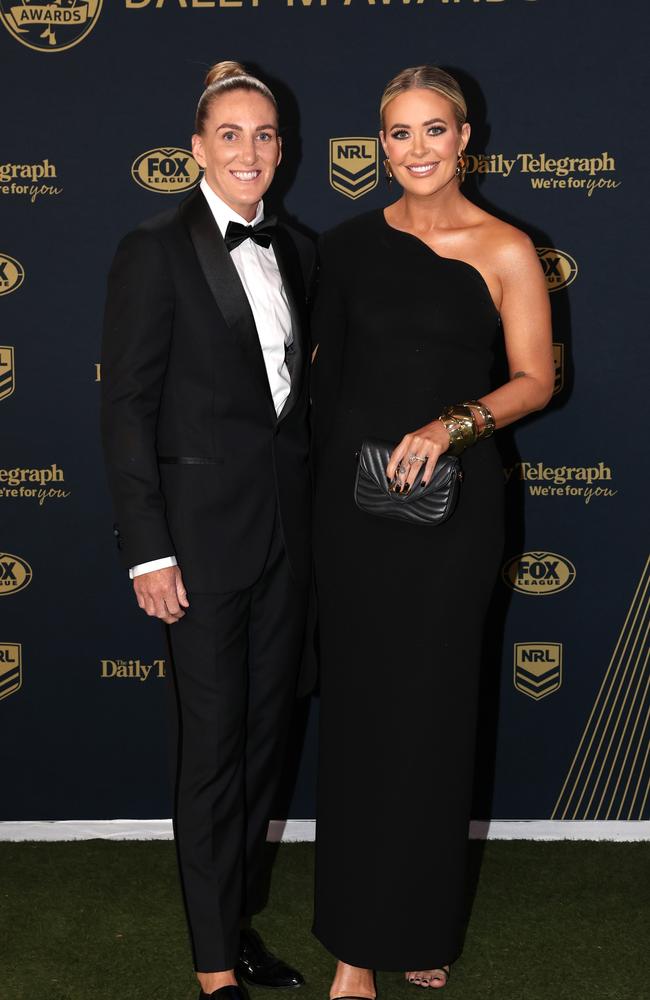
[(489, 424), (460, 423)]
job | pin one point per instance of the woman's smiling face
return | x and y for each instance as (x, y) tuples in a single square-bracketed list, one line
[(422, 140), (239, 148)]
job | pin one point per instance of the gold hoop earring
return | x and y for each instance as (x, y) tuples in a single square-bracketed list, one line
[(388, 172), (461, 167)]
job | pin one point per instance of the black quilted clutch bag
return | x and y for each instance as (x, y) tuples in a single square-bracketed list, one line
[(430, 505)]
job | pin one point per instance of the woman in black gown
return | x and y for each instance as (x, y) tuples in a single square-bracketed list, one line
[(411, 303)]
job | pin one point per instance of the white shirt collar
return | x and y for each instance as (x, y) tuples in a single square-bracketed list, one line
[(223, 214)]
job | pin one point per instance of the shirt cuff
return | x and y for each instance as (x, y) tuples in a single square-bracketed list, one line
[(154, 564)]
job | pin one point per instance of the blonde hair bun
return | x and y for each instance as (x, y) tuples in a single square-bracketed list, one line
[(226, 77), (224, 71)]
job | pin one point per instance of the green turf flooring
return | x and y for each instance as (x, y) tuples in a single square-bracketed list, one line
[(103, 921)]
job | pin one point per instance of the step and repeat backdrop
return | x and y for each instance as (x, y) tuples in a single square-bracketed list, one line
[(97, 112)]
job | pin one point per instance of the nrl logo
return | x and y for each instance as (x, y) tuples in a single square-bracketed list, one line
[(11, 668), (7, 372), (560, 269), (538, 668), (50, 27), (558, 365), (354, 165)]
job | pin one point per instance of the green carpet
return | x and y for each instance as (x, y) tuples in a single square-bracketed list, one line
[(103, 921)]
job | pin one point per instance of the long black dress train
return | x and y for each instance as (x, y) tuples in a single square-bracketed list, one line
[(402, 332)]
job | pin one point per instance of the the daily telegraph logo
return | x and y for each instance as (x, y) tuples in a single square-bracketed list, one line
[(560, 269), (539, 573), (42, 484), (25, 179), (538, 668), (134, 670), (166, 170), (7, 372), (584, 482), (12, 274), (15, 574), (50, 27), (354, 165), (11, 668), (550, 173)]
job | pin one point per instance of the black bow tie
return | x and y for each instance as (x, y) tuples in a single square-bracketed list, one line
[(262, 233)]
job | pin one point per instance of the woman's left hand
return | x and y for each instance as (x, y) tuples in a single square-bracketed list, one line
[(418, 450)]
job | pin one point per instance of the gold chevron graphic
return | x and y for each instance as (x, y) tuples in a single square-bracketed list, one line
[(609, 777), (551, 675)]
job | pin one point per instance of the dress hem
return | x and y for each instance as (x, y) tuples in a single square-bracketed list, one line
[(366, 962)]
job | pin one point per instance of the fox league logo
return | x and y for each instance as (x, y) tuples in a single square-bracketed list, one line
[(15, 574), (166, 170), (354, 165), (539, 573), (12, 274), (560, 269)]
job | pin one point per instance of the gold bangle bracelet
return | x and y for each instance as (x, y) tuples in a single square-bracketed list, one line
[(466, 420), (489, 423), (457, 442)]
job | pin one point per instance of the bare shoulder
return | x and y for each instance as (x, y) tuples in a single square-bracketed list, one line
[(510, 251), (505, 241)]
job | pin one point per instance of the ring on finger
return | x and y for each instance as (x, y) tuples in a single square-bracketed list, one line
[(416, 458)]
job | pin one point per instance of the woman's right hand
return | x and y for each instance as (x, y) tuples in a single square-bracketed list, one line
[(417, 450)]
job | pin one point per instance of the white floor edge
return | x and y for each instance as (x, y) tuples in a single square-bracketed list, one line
[(294, 830)]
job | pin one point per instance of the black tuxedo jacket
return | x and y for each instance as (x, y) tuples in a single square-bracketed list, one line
[(198, 463)]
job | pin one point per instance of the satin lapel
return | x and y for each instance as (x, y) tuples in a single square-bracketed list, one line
[(224, 282), (288, 261)]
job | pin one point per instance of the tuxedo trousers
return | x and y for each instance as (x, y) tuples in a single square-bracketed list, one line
[(234, 660)]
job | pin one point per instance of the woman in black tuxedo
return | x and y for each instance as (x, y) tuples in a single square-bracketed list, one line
[(204, 422)]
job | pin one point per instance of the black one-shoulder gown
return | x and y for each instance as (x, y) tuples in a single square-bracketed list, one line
[(402, 332)]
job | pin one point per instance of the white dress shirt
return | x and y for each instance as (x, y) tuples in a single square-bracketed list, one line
[(259, 273)]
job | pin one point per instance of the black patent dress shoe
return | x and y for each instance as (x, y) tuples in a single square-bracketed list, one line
[(224, 993), (259, 967)]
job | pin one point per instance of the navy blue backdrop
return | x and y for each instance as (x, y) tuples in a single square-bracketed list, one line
[(95, 137)]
